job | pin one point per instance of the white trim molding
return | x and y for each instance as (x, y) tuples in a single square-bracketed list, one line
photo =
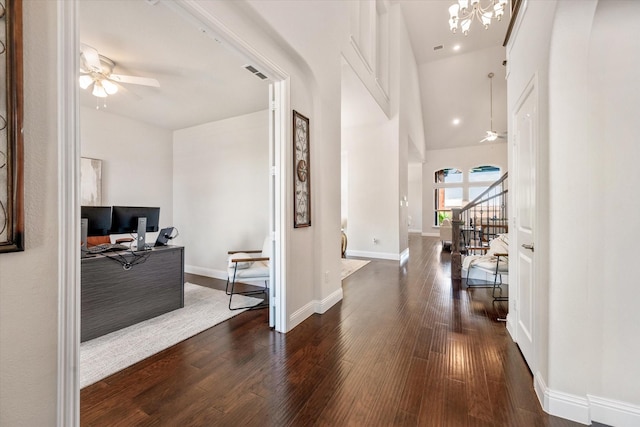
[(376, 255), (560, 404), (321, 306), (207, 272), (68, 390), (315, 307), (587, 409), (613, 412), (301, 314)]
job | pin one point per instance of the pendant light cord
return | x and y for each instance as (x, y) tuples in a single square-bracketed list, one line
[(491, 100)]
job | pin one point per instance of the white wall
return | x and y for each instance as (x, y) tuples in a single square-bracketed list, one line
[(415, 197), (299, 37), (410, 121), (29, 279), (460, 158), (585, 307), (614, 101), (373, 190), (377, 152), (221, 190), (136, 159)]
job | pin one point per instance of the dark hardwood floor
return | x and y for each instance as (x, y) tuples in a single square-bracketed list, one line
[(403, 348)]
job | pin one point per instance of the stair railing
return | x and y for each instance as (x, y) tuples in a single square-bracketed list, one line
[(479, 221)]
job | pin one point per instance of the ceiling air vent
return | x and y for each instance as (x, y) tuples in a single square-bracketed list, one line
[(253, 70), (438, 47)]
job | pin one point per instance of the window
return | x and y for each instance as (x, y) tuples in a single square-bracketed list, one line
[(484, 174), (476, 191), (452, 190), (448, 175), (447, 196)]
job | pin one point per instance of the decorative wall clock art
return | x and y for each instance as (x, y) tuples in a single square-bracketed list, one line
[(301, 175)]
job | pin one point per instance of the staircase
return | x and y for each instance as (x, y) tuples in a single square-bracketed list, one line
[(475, 224)]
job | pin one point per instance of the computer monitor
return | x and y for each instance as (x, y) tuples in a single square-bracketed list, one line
[(135, 219), (98, 219), (124, 219)]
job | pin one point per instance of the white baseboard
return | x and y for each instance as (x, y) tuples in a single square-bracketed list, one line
[(207, 272), (328, 302), (301, 314), (587, 409), (560, 404), (613, 412), (376, 255), (415, 230), (313, 307), (430, 234)]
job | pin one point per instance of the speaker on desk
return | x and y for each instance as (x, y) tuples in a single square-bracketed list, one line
[(142, 230)]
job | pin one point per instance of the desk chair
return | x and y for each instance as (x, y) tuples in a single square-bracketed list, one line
[(249, 266), (98, 240), (494, 261)]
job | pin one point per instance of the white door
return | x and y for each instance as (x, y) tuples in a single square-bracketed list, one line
[(525, 143)]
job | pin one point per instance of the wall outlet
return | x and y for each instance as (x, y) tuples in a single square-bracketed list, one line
[(375, 241)]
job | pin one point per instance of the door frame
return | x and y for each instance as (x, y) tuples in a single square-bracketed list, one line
[(68, 391)]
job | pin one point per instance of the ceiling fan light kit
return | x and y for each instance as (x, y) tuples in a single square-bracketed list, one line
[(97, 70), (462, 13)]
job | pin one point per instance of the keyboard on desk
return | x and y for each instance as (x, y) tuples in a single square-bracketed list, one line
[(107, 247)]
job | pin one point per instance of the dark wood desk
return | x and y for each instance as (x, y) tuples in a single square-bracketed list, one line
[(115, 295)]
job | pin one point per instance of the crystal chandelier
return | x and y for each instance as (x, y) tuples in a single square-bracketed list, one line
[(462, 12)]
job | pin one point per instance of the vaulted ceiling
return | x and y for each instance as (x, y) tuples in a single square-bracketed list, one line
[(202, 81)]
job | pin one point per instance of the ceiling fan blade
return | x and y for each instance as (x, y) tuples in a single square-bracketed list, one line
[(91, 58), (145, 81)]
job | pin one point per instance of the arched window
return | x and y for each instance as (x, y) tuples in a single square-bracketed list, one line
[(448, 175), (484, 174), (447, 192)]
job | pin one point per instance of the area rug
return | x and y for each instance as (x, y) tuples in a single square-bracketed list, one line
[(108, 354), (350, 266)]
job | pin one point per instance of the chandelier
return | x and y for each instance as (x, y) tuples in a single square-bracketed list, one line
[(463, 13)]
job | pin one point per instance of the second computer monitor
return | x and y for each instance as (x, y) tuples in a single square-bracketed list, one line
[(124, 219)]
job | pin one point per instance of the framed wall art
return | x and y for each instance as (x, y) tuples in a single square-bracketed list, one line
[(90, 182), (301, 172), (11, 117)]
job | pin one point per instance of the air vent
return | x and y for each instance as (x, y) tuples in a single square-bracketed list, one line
[(253, 70), (438, 47)]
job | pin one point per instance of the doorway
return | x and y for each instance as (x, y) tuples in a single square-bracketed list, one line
[(69, 224)]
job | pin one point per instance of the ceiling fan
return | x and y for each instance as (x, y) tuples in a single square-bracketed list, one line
[(492, 135), (97, 70)]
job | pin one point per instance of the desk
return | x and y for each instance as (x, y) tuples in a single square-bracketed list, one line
[(113, 298)]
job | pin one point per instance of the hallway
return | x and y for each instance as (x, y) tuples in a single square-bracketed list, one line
[(402, 348)]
